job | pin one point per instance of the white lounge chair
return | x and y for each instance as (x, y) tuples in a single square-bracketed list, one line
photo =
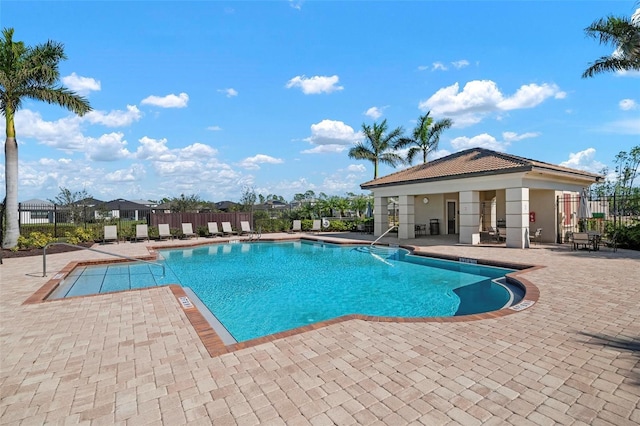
[(164, 231), (227, 230), (245, 228), (142, 232), (317, 227), (110, 234), (297, 226), (213, 229), (187, 230)]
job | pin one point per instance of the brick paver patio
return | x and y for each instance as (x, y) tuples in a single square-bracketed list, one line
[(134, 358)]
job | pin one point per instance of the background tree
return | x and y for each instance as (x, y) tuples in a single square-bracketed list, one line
[(624, 34), (27, 72), (425, 137), (248, 199), (379, 146), (185, 203), (72, 201)]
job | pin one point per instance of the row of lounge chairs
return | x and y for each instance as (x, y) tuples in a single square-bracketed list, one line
[(142, 230)]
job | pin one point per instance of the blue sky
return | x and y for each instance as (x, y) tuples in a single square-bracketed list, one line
[(210, 97)]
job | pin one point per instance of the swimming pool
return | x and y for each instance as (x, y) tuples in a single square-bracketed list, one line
[(261, 288)]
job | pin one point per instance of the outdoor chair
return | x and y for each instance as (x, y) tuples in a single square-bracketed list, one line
[(494, 234), (227, 229), (213, 229), (187, 230), (536, 236), (316, 227), (110, 234), (164, 231), (297, 226), (142, 232), (582, 239), (245, 228), (610, 241)]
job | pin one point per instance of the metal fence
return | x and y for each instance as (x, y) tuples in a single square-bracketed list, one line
[(59, 221), (600, 214)]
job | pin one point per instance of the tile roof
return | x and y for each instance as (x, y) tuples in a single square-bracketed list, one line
[(472, 162)]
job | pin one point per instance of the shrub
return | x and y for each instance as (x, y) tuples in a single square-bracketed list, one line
[(202, 231), (629, 236), (79, 235), (34, 240)]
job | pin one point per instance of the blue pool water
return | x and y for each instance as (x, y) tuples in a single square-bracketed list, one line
[(257, 289)]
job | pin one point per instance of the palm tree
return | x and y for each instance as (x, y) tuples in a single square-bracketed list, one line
[(27, 72), (425, 137), (380, 146), (624, 34)]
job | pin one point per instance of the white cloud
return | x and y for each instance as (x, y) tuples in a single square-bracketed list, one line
[(62, 134), (628, 104), (230, 93), (356, 168), (331, 136), (584, 160), (629, 126), (108, 147), (375, 112), (423, 67), (513, 137), (438, 66), (296, 4), (115, 118), (629, 73), (253, 163), (483, 141), (81, 85), (460, 64), (214, 128), (479, 98), (169, 101), (134, 173), (315, 85)]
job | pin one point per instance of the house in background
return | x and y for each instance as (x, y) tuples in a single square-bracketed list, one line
[(471, 191), (37, 211), (121, 209)]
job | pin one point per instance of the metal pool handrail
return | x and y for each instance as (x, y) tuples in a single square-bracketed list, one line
[(44, 256), (385, 233)]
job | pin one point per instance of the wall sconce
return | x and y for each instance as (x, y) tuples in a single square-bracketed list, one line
[(425, 200)]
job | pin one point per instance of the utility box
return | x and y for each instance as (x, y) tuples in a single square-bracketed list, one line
[(434, 227)]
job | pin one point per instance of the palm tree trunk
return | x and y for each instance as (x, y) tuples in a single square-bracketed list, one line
[(12, 230)]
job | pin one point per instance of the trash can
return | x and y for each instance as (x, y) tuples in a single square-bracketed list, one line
[(434, 227)]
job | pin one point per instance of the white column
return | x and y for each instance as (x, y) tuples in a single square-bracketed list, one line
[(406, 220), (517, 208), (380, 215), (469, 217)]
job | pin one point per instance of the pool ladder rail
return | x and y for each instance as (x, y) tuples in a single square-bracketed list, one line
[(133, 259)]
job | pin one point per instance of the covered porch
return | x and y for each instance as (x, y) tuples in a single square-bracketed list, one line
[(475, 192)]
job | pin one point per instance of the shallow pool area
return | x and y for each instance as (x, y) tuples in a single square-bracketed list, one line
[(261, 288)]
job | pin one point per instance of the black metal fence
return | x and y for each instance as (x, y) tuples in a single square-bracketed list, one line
[(62, 221), (601, 214)]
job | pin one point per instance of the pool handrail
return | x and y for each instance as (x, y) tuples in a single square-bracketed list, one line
[(385, 233), (44, 256)]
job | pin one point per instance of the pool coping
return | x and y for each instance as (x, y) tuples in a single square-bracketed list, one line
[(216, 347)]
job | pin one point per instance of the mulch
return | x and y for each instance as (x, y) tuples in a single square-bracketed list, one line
[(8, 254)]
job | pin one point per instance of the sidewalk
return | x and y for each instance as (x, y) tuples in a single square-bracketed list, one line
[(134, 358)]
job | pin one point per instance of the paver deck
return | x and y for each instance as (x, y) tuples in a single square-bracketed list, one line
[(134, 358)]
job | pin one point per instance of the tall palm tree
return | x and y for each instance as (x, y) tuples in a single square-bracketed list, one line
[(28, 72), (624, 34), (425, 137), (380, 146)]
